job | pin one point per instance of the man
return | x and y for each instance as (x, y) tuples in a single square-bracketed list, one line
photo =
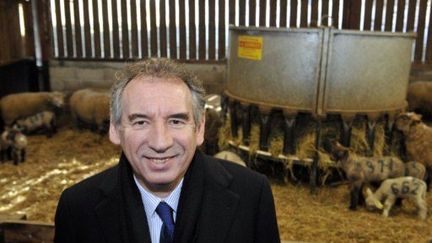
[(164, 189)]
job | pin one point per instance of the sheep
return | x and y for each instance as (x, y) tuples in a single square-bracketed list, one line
[(42, 120), (5, 145), (417, 138), (230, 156), (17, 106), (211, 135), (91, 107), (419, 97), (364, 170), (415, 169), (401, 187), (18, 144), (13, 144)]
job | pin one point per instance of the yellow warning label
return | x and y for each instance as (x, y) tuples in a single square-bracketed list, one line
[(250, 47)]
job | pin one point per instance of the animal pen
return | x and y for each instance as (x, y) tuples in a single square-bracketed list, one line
[(297, 73)]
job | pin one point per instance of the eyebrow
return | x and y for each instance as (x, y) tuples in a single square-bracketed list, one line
[(183, 116)]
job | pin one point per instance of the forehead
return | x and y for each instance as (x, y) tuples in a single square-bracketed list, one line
[(155, 92)]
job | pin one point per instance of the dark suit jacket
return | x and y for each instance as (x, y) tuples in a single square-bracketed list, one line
[(220, 202)]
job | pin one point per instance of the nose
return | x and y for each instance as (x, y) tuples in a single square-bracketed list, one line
[(160, 138)]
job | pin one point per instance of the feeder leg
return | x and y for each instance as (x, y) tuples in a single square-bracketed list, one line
[(388, 135), (264, 131), (371, 135), (246, 123), (224, 106), (289, 143), (345, 138), (314, 167), (233, 115)]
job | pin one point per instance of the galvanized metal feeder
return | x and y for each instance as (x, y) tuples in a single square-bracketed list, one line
[(276, 73)]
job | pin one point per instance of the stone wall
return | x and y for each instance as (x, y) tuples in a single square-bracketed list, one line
[(68, 76)]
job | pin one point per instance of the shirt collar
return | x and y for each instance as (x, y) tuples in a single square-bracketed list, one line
[(151, 201)]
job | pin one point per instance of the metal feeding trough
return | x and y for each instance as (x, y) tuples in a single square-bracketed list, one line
[(318, 71)]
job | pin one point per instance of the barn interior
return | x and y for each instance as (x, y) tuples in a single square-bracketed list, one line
[(284, 79)]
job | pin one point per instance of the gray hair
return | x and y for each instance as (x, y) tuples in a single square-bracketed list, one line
[(160, 68)]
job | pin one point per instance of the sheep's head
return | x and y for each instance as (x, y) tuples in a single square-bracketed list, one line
[(371, 201), (57, 99), (338, 151), (405, 120)]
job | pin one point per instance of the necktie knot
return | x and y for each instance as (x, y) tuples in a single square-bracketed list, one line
[(165, 214)]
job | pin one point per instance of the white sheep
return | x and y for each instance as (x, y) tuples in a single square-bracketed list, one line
[(419, 97), (415, 169), (417, 137), (401, 187), (16, 106), (42, 120), (91, 107), (19, 145), (230, 156)]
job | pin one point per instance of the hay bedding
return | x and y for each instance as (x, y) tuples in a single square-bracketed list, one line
[(33, 189)]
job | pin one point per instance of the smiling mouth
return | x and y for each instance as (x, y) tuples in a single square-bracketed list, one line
[(159, 160)]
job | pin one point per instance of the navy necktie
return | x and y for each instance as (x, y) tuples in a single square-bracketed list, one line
[(165, 213)]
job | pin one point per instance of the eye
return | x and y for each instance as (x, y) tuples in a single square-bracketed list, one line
[(177, 123), (139, 124)]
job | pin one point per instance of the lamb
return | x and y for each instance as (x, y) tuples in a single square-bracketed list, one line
[(42, 120), (17, 106), (91, 107), (418, 139), (230, 156), (419, 97), (13, 144), (364, 170), (401, 187)]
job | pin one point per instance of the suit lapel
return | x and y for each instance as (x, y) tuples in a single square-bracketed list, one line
[(207, 206), (121, 214)]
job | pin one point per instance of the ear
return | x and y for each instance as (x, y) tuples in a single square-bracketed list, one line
[(200, 129), (114, 134), (378, 204)]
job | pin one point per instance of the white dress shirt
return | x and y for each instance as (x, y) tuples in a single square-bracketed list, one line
[(150, 203)]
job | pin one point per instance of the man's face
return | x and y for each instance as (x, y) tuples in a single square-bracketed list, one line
[(157, 133)]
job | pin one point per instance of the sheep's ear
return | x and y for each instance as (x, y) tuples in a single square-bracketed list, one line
[(378, 204), (367, 191)]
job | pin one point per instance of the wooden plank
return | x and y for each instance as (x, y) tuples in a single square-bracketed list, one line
[(346, 14), (411, 16), (262, 13), (182, 34), (87, 38), (368, 15), (115, 31), (429, 42), (400, 15), (314, 14), (252, 12), (222, 24), (324, 14), (134, 29), (420, 31), (378, 16), (162, 29), (172, 29), (273, 13), (212, 31), (69, 39), (335, 14), (303, 17), (283, 13), (106, 37), (44, 28), (26, 231), (201, 30), (96, 29), (242, 12), (59, 30), (153, 31), (293, 19), (192, 30), (144, 41), (389, 15), (231, 11), (125, 36), (78, 34)]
